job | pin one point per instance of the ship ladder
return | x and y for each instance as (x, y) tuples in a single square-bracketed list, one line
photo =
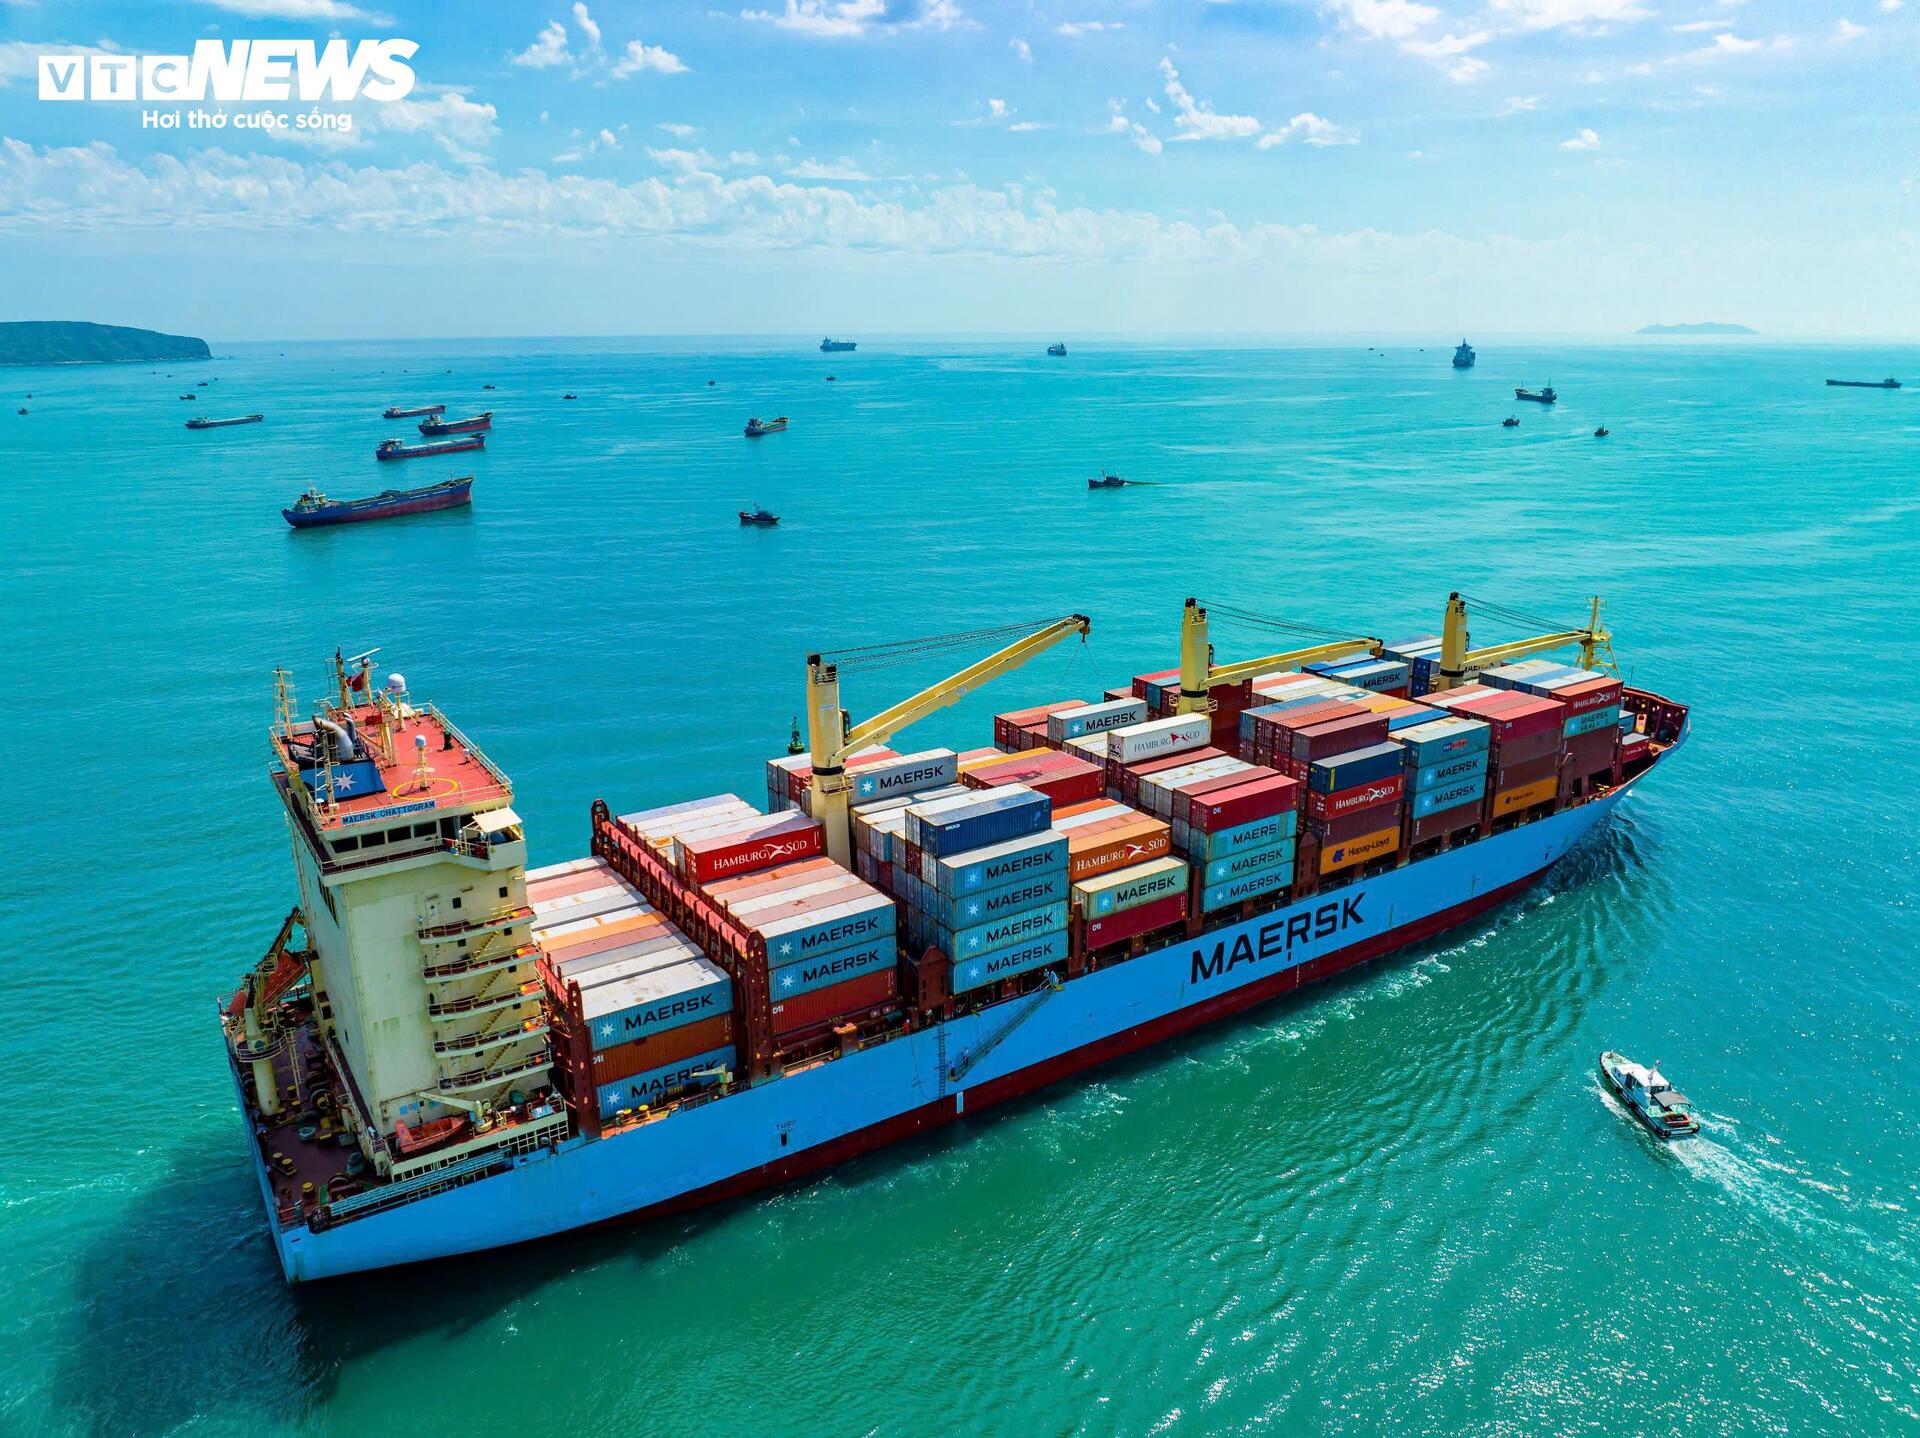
[(972, 1057)]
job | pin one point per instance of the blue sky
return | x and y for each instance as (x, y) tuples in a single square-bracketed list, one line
[(1077, 166)]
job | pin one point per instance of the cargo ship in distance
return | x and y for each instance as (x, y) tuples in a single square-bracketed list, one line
[(394, 411), (202, 422), (1463, 356), (313, 510), (1888, 383), (834, 347), (1543, 396), (473, 425), (400, 449), (445, 1052)]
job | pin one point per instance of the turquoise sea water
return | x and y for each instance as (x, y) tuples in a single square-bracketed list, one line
[(1397, 1203)]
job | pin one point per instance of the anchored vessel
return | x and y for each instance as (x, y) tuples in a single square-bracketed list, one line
[(400, 449), (1463, 356), (473, 425), (1057, 350), (443, 1051), (394, 411), (832, 346), (313, 509), (757, 426), (202, 422), (1544, 396), (1888, 383)]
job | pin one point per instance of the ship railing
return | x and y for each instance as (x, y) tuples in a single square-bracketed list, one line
[(491, 1036), (476, 753), (486, 1000), (479, 961), (504, 917), (491, 1075)]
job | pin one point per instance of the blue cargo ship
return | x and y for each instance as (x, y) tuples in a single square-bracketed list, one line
[(463, 1054)]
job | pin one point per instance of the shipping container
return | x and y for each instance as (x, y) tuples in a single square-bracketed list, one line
[(1256, 799), (1131, 842), (1513, 715), (1449, 796), (1195, 792), (860, 919), (1378, 675), (1352, 826), (997, 865), (1157, 790), (1120, 889), (1004, 933), (1446, 821), (821, 970), (819, 1006), (657, 1050), (1449, 771), (1158, 737), (622, 1011), (1016, 896), (1355, 767), (1444, 738), (1061, 777), (953, 826), (986, 968), (1337, 737), (1131, 923), (1258, 834), (771, 839), (1530, 771), (1345, 854), (928, 769), (1512, 801), (1005, 726), (658, 1085), (1066, 724), (1596, 693), (1246, 886), (1361, 797), (1547, 744), (1592, 720), (1249, 861)]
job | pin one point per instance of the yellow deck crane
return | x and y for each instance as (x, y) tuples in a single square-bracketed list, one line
[(831, 740), (1456, 659), (1199, 675)]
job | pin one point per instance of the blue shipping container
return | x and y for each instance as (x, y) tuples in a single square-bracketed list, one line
[(1259, 834), (1606, 718), (657, 1084), (820, 970), (1450, 771), (1445, 738), (1027, 891), (1250, 861), (978, 870), (1002, 814), (1355, 767), (986, 968), (1247, 886), (1452, 796), (1002, 933)]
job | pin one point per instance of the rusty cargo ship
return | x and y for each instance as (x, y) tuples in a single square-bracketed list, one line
[(444, 1051)]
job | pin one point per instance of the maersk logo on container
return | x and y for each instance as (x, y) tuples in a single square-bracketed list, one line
[(237, 71)]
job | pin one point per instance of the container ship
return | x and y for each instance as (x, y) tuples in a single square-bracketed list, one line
[(833, 347), (444, 1052)]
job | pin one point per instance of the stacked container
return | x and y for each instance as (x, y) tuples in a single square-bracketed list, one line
[(1240, 836), (1354, 796), (1524, 755), (1421, 654), (1105, 834), (1027, 728), (1132, 749), (1446, 762), (787, 776), (1590, 702), (1062, 777), (638, 1014)]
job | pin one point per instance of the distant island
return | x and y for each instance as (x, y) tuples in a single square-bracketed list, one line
[(77, 342), (1700, 329)]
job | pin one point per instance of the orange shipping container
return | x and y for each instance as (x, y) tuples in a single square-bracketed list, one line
[(1126, 843), (1512, 801), (666, 1046), (1357, 851)]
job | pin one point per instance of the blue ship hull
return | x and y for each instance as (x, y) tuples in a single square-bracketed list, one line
[(781, 1130)]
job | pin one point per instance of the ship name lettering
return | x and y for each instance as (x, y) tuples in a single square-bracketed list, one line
[(1276, 939)]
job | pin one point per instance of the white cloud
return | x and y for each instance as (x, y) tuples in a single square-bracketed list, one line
[(844, 170), (1196, 119), (586, 23), (1450, 52), (19, 59), (1845, 29), (1138, 135), (1021, 48), (463, 128), (1521, 104), (742, 157), (1585, 140), (1573, 14), (609, 140), (637, 57), (1311, 129), (997, 109), (1074, 29), (1387, 19), (679, 132), (852, 19), (302, 10), (549, 48), (1889, 5)]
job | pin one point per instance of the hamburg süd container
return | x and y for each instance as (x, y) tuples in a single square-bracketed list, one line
[(1159, 737), (1355, 767), (1116, 845), (754, 844), (1375, 794)]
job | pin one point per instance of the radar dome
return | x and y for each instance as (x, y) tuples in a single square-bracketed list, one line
[(397, 683)]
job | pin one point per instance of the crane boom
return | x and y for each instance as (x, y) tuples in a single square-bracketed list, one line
[(831, 741), (1456, 659), (1199, 675)]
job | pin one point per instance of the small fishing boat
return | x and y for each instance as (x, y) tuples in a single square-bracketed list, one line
[(472, 425), (200, 421), (831, 378), (1056, 349), (400, 449), (757, 426), (394, 411), (21, 410), (486, 386), (1544, 396), (313, 509), (189, 396), (1666, 1112), (1602, 432), (1107, 481), (759, 515), (1510, 422), (569, 396), (1888, 383)]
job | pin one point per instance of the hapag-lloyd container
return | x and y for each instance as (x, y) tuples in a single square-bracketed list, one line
[(771, 839), (1449, 796), (929, 769), (1359, 850), (1250, 861), (627, 1009), (818, 1006), (1246, 886), (1448, 771), (1438, 740), (997, 865), (1131, 923), (954, 826), (1355, 767), (1372, 795), (1157, 737), (1512, 801), (966, 910), (1066, 724), (986, 968), (1258, 834), (654, 1085), (834, 967), (1121, 889)]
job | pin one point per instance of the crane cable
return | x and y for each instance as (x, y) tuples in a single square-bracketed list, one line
[(1517, 617), (1274, 624), (864, 658)]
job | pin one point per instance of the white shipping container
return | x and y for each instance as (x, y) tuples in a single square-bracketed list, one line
[(1094, 719), (1159, 737)]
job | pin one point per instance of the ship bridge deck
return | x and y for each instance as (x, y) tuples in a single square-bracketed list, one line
[(447, 771)]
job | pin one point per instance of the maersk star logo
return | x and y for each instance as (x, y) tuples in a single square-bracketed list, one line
[(973, 909), (342, 783), (786, 981), (786, 948), (866, 787), (974, 942), (606, 1031), (973, 973)]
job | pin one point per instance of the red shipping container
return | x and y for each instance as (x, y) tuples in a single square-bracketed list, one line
[(1126, 777), (1004, 725), (1357, 799), (1140, 682), (1634, 746), (1131, 923), (1353, 826), (1260, 799), (1187, 796), (776, 841), (1547, 743), (1339, 736), (664, 1047), (1447, 821), (1515, 716), (1530, 771), (1307, 715), (1585, 698), (819, 1006), (1061, 777), (1590, 753), (1119, 691)]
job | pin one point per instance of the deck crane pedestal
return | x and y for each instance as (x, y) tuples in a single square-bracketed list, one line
[(831, 740), (1199, 675), (1456, 659)]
